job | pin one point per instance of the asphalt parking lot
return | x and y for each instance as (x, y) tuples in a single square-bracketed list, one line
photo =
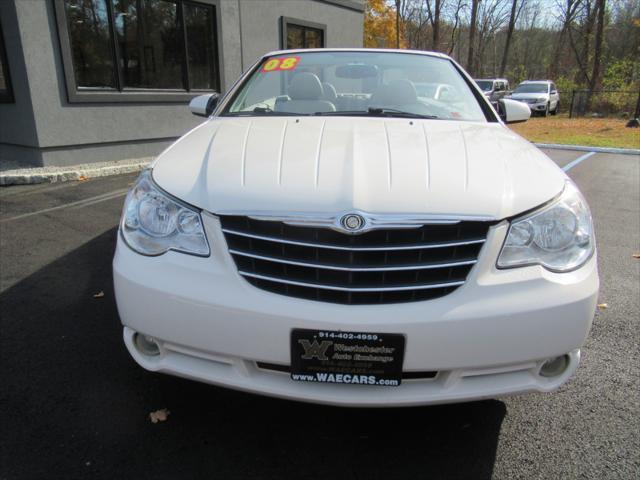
[(73, 404)]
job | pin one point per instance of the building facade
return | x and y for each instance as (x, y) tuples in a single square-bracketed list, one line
[(85, 81)]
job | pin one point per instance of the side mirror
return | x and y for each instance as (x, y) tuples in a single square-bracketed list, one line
[(553, 92), (204, 105), (512, 111)]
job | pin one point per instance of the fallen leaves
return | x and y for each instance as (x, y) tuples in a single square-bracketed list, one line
[(83, 178), (100, 294), (159, 415), (603, 306)]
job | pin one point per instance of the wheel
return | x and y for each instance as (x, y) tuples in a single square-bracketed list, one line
[(546, 111), (557, 109)]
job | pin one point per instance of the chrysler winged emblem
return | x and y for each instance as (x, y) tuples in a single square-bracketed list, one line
[(352, 222)]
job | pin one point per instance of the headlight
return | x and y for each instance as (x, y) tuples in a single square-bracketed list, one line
[(153, 222), (559, 237)]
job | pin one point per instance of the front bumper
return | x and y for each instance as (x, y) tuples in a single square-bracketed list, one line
[(537, 107), (488, 338)]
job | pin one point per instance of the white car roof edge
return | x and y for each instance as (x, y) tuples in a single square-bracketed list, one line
[(379, 50)]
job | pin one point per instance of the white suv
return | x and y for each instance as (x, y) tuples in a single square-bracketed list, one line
[(541, 95), (330, 235)]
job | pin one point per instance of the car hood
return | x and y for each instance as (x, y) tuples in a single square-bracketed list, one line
[(525, 96), (375, 165)]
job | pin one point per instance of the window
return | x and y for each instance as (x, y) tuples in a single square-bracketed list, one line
[(349, 83), (6, 93), (149, 42), (532, 88), (120, 50), (302, 34), (202, 70), (485, 85)]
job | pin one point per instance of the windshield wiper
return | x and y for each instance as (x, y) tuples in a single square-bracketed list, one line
[(370, 112), (377, 112), (263, 111), (394, 112)]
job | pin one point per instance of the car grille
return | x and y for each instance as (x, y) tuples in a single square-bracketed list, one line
[(379, 266), (410, 375)]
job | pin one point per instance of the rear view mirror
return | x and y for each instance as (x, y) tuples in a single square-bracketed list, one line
[(356, 70), (512, 111), (204, 105)]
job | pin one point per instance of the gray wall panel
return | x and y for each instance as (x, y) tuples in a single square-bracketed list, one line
[(102, 153), (261, 24), (230, 38), (17, 121)]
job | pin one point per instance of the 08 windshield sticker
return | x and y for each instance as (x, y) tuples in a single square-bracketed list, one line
[(280, 64)]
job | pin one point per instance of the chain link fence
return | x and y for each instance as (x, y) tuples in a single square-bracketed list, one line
[(604, 103)]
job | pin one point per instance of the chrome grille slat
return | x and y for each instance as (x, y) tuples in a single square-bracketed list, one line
[(379, 266), (425, 266), (351, 289), (355, 249)]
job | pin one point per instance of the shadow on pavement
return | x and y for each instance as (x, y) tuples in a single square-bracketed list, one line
[(73, 404)]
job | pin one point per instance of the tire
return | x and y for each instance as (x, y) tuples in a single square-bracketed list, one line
[(546, 111), (557, 109)]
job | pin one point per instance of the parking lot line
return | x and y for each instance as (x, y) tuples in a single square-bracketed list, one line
[(80, 203), (577, 161)]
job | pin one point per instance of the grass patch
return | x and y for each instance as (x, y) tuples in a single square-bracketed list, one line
[(591, 132)]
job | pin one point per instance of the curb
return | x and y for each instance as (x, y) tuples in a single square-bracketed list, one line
[(581, 148), (31, 176)]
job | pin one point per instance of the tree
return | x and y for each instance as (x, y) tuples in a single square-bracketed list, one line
[(401, 6), (455, 31), (398, 3), (515, 13), (415, 23), (597, 54), (472, 36), (490, 19), (380, 25), (587, 17), (434, 20), (529, 27), (580, 44), (568, 11)]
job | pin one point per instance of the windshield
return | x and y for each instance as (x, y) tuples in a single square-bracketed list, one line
[(356, 83), (532, 88), (485, 85)]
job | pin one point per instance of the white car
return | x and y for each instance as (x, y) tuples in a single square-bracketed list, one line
[(327, 235), (541, 95)]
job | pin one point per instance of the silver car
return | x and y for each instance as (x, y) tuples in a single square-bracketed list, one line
[(541, 95), (494, 88)]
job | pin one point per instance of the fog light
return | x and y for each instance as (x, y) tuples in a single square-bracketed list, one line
[(554, 366), (146, 345)]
